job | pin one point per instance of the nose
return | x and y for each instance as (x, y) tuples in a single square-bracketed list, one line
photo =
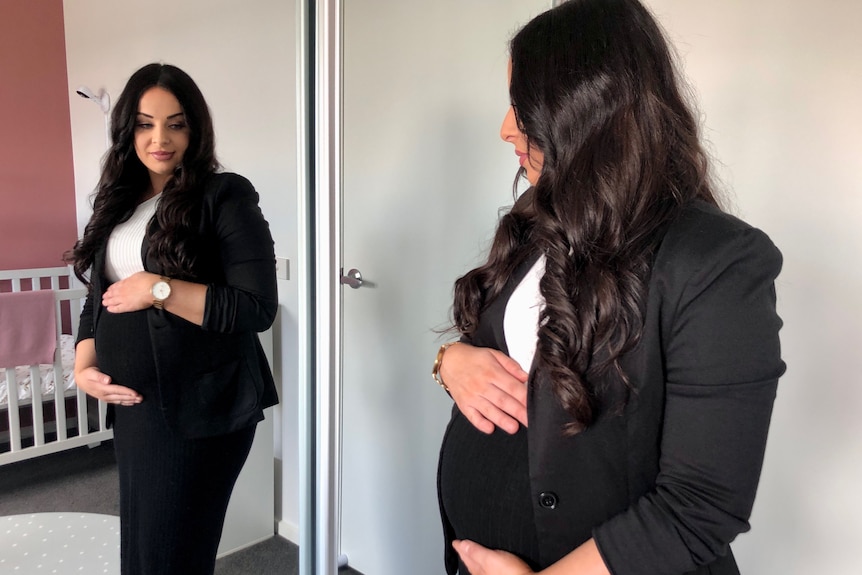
[(509, 129), (160, 134)]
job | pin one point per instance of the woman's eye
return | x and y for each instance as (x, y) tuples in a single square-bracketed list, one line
[(143, 125), (177, 126)]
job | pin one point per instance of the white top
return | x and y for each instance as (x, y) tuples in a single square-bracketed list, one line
[(123, 257), (521, 320)]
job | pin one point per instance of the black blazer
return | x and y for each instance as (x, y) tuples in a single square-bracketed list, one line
[(214, 378), (667, 484)]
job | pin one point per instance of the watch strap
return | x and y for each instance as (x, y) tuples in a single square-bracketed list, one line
[(438, 363)]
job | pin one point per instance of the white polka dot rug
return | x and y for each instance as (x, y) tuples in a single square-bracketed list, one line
[(60, 544)]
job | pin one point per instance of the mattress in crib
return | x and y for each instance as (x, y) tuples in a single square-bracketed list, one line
[(24, 379)]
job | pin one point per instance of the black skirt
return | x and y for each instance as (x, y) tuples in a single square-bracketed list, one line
[(173, 491)]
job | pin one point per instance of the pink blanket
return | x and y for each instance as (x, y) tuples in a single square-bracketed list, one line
[(28, 332)]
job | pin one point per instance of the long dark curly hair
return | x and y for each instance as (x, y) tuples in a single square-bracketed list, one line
[(125, 180), (594, 88)]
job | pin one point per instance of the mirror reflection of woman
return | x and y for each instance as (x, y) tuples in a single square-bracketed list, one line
[(619, 350), (180, 267)]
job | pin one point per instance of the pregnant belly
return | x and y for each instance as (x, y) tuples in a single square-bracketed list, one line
[(485, 488), (123, 349)]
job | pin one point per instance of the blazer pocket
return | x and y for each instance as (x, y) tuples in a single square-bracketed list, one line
[(228, 391)]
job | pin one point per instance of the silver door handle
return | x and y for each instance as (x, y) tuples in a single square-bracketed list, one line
[(352, 279)]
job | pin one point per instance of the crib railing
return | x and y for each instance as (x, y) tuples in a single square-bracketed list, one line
[(42, 435)]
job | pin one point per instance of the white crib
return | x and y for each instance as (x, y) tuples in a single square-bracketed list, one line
[(45, 412)]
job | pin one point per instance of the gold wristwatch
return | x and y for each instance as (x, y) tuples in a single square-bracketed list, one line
[(161, 291)]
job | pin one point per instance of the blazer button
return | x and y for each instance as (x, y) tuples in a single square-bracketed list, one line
[(548, 500)]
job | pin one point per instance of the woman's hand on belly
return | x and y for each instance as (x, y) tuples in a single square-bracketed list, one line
[(584, 560), (488, 386), (97, 384), (131, 294), (93, 382), (483, 561), (187, 299)]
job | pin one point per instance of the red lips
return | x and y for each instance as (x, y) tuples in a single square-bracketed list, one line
[(162, 156)]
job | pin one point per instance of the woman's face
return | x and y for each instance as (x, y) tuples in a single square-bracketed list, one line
[(161, 135), (531, 158)]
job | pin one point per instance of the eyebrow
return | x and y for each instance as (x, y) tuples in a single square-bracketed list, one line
[(169, 117)]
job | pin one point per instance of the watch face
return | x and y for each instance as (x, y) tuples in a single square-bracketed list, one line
[(161, 290)]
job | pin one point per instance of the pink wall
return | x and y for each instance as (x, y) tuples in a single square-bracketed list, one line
[(37, 188)]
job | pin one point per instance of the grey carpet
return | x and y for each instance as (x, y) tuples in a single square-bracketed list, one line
[(275, 556), (85, 480), (81, 479)]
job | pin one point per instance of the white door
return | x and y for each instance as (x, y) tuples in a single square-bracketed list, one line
[(424, 174)]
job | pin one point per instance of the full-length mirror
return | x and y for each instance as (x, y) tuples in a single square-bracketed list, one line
[(64, 64)]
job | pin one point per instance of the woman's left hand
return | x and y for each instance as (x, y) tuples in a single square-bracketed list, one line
[(131, 294), (483, 561)]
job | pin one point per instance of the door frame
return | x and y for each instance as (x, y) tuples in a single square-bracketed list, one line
[(319, 121)]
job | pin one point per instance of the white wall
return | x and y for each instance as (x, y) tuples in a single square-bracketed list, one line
[(780, 87), (242, 55)]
